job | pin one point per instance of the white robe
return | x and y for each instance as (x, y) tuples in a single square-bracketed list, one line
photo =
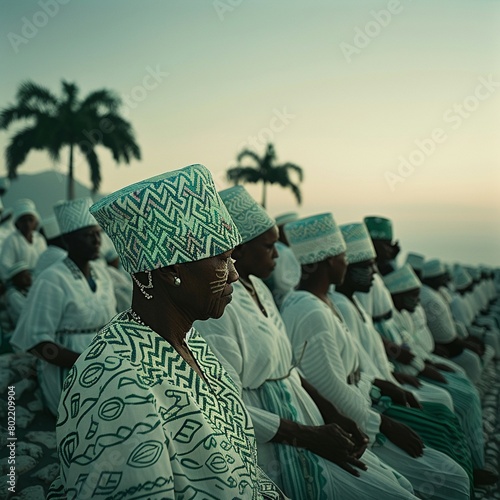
[(360, 324), (258, 349), (286, 275), (61, 308), (17, 248), (442, 327), (330, 356), (49, 256), (136, 421)]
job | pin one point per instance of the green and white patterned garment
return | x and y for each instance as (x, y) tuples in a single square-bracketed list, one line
[(136, 421)]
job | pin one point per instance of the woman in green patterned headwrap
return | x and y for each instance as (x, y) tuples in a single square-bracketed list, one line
[(147, 410)]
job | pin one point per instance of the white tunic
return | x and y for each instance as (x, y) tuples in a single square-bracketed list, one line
[(438, 314), (260, 354), (328, 357), (49, 256), (286, 275), (61, 308), (360, 324), (16, 248), (15, 301)]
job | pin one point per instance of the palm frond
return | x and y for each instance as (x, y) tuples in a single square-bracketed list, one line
[(102, 97), (31, 92), (250, 154), (70, 91), (18, 149), (243, 174), (298, 170), (118, 136), (296, 191), (94, 166), (21, 112)]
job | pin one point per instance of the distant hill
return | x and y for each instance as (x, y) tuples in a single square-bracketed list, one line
[(45, 189)]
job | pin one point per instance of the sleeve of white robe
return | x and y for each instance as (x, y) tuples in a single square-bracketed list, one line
[(7, 257), (322, 366), (439, 319), (41, 316), (15, 302), (221, 336)]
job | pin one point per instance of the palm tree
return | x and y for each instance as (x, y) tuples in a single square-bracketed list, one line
[(54, 123), (267, 172)]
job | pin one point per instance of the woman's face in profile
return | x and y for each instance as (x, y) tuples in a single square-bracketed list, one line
[(258, 256), (206, 285)]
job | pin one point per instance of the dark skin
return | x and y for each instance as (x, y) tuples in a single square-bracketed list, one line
[(347, 288), (204, 292), (332, 271), (408, 301), (386, 251), (332, 441), (83, 246), (22, 280), (27, 224), (257, 257)]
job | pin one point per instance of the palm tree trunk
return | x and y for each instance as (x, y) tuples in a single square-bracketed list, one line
[(71, 184), (264, 193)]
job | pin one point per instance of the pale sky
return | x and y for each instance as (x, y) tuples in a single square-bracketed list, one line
[(350, 90)]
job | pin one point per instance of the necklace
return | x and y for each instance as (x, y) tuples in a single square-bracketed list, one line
[(139, 320)]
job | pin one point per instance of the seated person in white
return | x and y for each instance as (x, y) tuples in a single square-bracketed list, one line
[(25, 243), (68, 304)]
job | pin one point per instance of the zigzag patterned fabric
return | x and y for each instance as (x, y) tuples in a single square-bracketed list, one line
[(250, 218), (358, 241), (172, 218), (136, 421), (315, 238), (74, 214)]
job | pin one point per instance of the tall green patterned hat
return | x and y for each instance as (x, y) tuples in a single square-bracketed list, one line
[(283, 219), (461, 278), (250, 218), (402, 280), (315, 238), (358, 241), (72, 215), (379, 228), (172, 218), (433, 268), (415, 260)]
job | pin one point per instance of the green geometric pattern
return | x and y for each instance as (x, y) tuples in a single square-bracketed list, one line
[(172, 218), (358, 241), (402, 280), (315, 238), (136, 421), (250, 218)]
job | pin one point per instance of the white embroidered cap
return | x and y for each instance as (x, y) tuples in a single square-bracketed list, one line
[(74, 214)]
